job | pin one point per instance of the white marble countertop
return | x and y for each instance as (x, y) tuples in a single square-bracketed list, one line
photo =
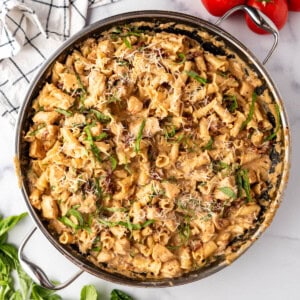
[(270, 269)]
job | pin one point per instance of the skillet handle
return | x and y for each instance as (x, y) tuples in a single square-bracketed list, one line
[(259, 19), (38, 274)]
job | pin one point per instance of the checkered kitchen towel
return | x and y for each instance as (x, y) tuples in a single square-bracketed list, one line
[(30, 30)]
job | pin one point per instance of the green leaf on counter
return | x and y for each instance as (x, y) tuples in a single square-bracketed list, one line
[(9, 223), (119, 295), (88, 292)]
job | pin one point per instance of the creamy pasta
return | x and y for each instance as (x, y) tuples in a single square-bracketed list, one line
[(152, 153)]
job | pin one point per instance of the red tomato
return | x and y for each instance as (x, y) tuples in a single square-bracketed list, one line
[(276, 10), (220, 7), (294, 5)]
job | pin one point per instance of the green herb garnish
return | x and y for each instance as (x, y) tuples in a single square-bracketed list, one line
[(35, 132), (182, 58), (67, 113), (113, 162), (98, 188), (170, 132), (127, 224), (251, 112), (209, 145), (82, 90), (137, 147), (95, 150), (196, 76), (242, 181), (101, 136), (66, 221), (127, 43), (278, 124), (75, 213), (102, 118), (228, 192), (233, 102)]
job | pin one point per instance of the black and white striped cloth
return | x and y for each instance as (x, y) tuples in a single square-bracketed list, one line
[(30, 30)]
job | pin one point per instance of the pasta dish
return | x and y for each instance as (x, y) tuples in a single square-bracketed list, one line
[(152, 153)]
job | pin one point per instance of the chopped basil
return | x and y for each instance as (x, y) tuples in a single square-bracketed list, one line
[(209, 145), (251, 112), (127, 224), (113, 162), (75, 213), (66, 221), (98, 188), (170, 132), (182, 58), (35, 132), (102, 118), (127, 43), (228, 192), (101, 136), (278, 124), (242, 181), (95, 150), (81, 90), (196, 76), (232, 105), (67, 113), (137, 147)]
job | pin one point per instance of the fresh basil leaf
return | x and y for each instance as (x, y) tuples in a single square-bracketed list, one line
[(3, 238), (119, 295), (88, 292), (8, 223), (40, 293)]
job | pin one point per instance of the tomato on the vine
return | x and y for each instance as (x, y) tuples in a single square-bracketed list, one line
[(294, 5), (220, 7), (276, 10)]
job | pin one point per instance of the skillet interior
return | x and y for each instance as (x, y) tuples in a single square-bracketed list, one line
[(157, 18)]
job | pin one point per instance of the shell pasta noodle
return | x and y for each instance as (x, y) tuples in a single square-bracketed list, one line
[(153, 154)]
